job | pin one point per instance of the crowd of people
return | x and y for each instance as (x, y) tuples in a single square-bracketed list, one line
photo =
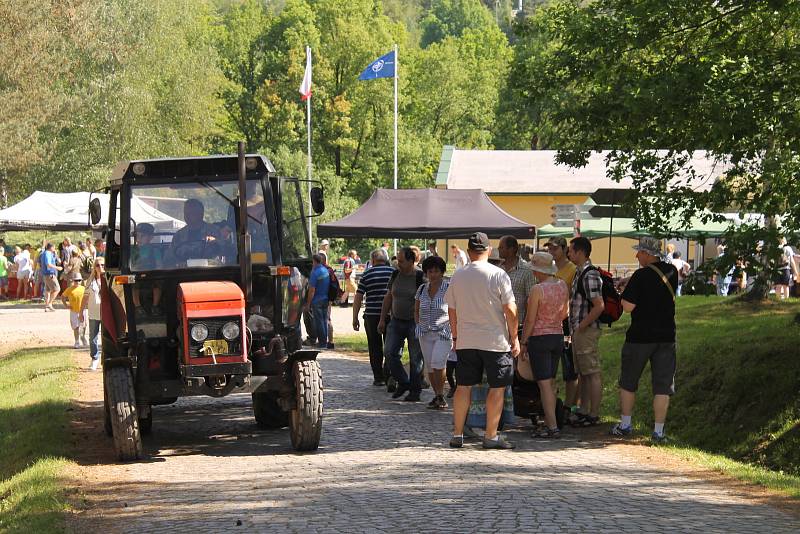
[(69, 271), (499, 317)]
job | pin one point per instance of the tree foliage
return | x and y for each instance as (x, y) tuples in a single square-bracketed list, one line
[(642, 75), (451, 18), (119, 79)]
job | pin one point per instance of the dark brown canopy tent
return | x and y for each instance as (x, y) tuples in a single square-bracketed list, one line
[(428, 213)]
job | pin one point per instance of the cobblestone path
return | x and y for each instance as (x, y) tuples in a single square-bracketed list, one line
[(384, 466)]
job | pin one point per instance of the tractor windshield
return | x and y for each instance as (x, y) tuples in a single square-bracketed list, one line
[(194, 225)]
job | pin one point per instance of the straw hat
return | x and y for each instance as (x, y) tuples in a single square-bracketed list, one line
[(543, 262)]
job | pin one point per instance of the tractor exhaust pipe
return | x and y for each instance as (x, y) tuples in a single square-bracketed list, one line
[(246, 267)]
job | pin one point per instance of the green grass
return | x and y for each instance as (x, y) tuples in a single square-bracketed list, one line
[(351, 342), (774, 480), (737, 404), (35, 393)]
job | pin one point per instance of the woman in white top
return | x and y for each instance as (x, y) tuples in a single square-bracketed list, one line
[(91, 302), (433, 327)]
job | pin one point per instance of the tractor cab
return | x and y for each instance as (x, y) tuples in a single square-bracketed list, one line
[(203, 293)]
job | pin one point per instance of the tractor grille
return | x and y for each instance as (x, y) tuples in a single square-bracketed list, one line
[(214, 325)]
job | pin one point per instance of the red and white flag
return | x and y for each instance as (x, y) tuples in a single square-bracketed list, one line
[(305, 87)]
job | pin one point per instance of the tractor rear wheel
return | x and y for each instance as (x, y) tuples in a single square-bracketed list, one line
[(305, 421), (268, 412), (107, 414), (122, 412)]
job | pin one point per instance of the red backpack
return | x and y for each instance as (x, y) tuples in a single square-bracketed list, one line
[(612, 300)]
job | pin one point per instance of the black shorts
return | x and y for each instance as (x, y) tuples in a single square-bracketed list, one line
[(544, 352), (499, 368), (783, 276), (662, 366)]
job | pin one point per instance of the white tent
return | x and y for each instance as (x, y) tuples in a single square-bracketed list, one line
[(70, 211)]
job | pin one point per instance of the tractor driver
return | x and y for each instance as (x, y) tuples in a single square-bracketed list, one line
[(198, 239)]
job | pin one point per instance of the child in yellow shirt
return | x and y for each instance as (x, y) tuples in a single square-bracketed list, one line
[(72, 297)]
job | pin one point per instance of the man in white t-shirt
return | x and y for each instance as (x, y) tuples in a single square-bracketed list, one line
[(683, 269), (459, 258), (483, 320)]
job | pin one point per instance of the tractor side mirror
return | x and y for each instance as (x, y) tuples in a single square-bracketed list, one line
[(95, 211), (317, 200)]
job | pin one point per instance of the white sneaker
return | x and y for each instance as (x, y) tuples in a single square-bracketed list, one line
[(93, 366), (77, 345), (84, 343)]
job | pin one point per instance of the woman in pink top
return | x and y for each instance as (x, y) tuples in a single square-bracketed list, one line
[(543, 335)]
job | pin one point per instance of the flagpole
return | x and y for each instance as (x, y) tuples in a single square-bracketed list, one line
[(396, 73), (308, 127)]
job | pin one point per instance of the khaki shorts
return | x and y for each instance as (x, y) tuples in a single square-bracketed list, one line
[(349, 285), (586, 351), (51, 283)]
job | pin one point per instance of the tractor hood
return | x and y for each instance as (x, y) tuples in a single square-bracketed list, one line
[(195, 292)]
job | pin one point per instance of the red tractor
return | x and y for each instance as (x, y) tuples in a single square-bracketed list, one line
[(203, 293)]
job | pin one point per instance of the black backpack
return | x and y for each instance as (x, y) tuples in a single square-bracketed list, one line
[(334, 289), (612, 300)]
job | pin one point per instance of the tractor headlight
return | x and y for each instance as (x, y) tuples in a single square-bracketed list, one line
[(199, 332), (230, 331)]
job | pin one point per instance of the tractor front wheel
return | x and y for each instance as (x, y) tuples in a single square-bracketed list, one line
[(122, 413), (305, 421), (268, 412), (145, 414)]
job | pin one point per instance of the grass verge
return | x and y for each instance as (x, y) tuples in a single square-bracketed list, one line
[(737, 402), (351, 342), (753, 474), (35, 395)]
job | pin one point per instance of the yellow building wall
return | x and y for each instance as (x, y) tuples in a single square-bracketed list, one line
[(537, 210)]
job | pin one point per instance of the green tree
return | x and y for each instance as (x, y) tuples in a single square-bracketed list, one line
[(134, 96), (42, 46), (642, 75), (453, 92), (452, 17)]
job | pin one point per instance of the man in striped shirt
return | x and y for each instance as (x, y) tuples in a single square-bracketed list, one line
[(371, 289)]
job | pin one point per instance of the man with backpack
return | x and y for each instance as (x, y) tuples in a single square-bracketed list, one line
[(400, 300), (649, 297), (585, 308)]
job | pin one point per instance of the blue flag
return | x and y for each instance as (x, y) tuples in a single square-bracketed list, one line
[(383, 67)]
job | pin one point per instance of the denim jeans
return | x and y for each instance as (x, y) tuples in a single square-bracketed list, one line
[(397, 331), (94, 339), (320, 310)]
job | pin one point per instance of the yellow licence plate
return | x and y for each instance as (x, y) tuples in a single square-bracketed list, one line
[(218, 346)]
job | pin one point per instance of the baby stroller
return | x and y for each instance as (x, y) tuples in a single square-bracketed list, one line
[(528, 402)]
